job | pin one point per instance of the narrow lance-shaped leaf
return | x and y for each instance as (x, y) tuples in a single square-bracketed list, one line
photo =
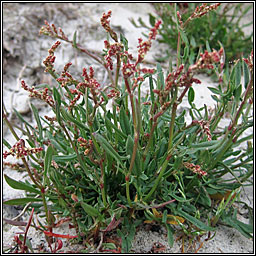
[(90, 210), (235, 76), (48, 160), (195, 221), (170, 233), (36, 115), (151, 85), (138, 116), (74, 40), (57, 99), (20, 201), (129, 151), (237, 93), (6, 143), (124, 122), (108, 148), (160, 77), (124, 41), (20, 185), (22, 119), (246, 74), (191, 95), (110, 124), (68, 117)]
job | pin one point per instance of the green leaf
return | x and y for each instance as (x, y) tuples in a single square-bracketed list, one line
[(195, 221), (138, 116), (57, 99), (151, 85), (90, 210), (48, 160), (192, 42), (208, 48), (204, 197), (152, 20), (74, 40), (22, 119), (214, 97), (243, 228), (238, 74), (160, 77), (191, 95), (246, 74), (110, 124), (207, 145), (109, 149), (237, 93), (68, 117), (215, 90), (124, 41), (20, 201), (6, 143), (235, 76), (111, 246), (184, 37), (124, 122), (129, 151), (127, 235), (20, 185), (36, 115), (170, 233)]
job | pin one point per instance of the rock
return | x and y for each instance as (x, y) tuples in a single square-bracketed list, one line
[(21, 103)]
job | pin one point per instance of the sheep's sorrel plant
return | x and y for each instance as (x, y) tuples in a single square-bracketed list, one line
[(109, 169)]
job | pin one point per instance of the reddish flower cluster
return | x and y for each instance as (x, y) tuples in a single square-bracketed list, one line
[(54, 164), (205, 127), (40, 95), (50, 119), (144, 46), (129, 69), (114, 50), (89, 80), (195, 168), (117, 49), (75, 99), (146, 103), (172, 77), (19, 150), (49, 61), (113, 93), (207, 59), (66, 78), (249, 61), (153, 31), (15, 166), (88, 145), (52, 31), (179, 17), (105, 24), (148, 70), (66, 67), (203, 9)]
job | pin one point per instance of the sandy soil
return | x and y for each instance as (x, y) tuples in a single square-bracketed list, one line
[(23, 55)]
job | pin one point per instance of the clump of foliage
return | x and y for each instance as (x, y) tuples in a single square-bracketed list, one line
[(223, 25), (108, 170)]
